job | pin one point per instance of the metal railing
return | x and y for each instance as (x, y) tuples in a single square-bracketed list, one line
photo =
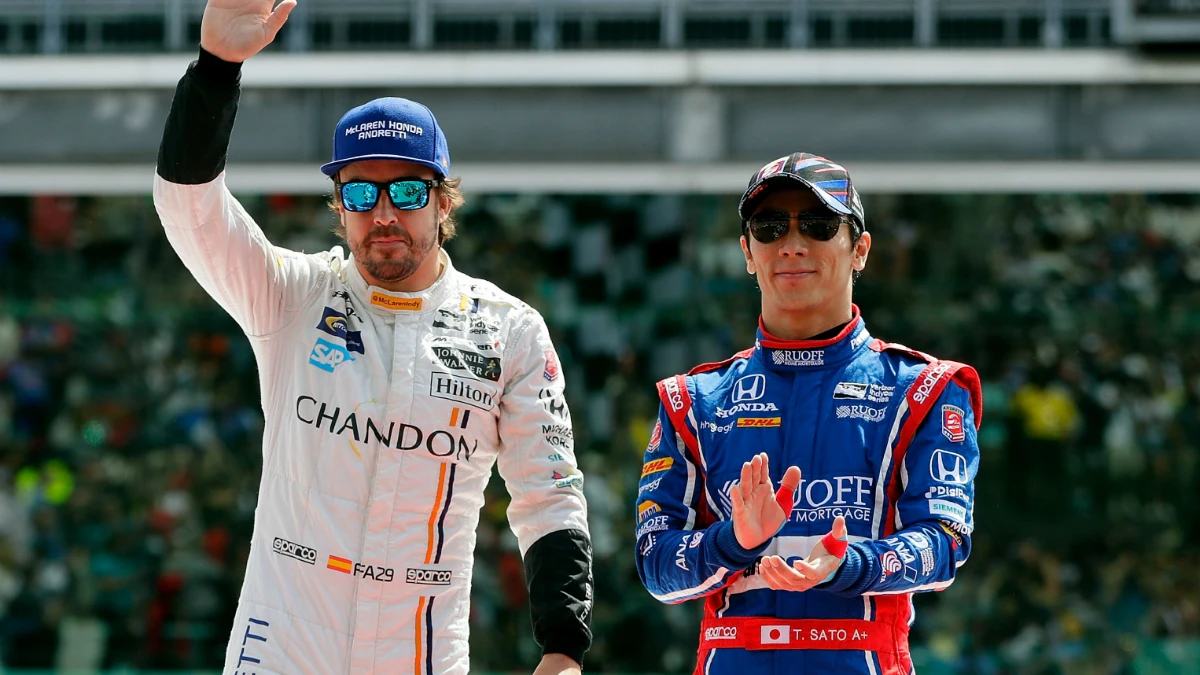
[(124, 26)]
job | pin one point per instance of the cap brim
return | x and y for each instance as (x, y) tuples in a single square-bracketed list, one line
[(333, 167), (747, 204)]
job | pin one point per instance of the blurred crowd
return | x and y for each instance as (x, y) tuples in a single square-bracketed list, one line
[(130, 425)]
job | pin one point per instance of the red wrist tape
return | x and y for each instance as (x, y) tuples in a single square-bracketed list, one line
[(835, 546)]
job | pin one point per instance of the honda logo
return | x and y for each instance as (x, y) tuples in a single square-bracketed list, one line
[(750, 388), (948, 467)]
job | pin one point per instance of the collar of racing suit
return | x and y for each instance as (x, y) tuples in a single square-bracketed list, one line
[(393, 303), (792, 355)]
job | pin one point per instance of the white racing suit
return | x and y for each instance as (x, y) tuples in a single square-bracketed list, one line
[(384, 415)]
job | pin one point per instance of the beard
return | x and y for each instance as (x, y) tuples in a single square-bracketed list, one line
[(389, 266)]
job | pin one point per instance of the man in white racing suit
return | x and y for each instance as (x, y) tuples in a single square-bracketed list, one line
[(391, 383)]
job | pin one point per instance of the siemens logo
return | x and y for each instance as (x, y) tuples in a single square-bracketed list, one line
[(427, 577), (292, 550)]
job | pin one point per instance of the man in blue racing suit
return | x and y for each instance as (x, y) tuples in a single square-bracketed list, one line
[(878, 441)]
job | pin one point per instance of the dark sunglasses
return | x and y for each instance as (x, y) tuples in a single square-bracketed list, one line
[(818, 225), (407, 194)]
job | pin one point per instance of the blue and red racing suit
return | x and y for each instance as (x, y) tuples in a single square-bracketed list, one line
[(884, 435)]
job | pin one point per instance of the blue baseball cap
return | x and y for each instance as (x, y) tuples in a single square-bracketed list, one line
[(389, 128)]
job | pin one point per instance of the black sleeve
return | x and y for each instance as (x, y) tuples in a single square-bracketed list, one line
[(196, 137), (558, 569)]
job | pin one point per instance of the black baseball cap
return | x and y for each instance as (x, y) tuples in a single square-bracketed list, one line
[(830, 182)]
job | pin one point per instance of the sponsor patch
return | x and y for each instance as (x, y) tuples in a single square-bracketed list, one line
[(696, 539), (327, 355), (551, 371), (651, 486), (335, 323), (655, 437), (948, 467), (296, 551), (647, 509), (928, 561), (554, 404), (459, 417), (746, 407), (720, 633), (655, 524), (861, 412), (952, 424), (854, 390), (948, 510), (890, 563), (427, 577), (648, 544), (798, 357), (570, 480), (396, 303), (880, 393), (715, 428), (461, 390), (749, 388), (760, 421), (656, 465), (486, 367)]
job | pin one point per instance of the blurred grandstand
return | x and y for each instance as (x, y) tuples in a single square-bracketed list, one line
[(1031, 174)]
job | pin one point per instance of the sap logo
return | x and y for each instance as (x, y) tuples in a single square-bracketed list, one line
[(948, 467), (749, 388), (426, 577), (327, 356)]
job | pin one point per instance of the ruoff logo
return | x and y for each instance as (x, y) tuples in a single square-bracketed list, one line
[(948, 467), (292, 550), (415, 575), (798, 357), (749, 388), (721, 633)]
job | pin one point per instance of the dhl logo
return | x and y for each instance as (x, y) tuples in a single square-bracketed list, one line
[(390, 302), (759, 421), (656, 465), (647, 509)]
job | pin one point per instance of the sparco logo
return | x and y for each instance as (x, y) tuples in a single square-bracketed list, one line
[(674, 396), (427, 577), (721, 633), (932, 375), (292, 550), (462, 390), (798, 357)]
